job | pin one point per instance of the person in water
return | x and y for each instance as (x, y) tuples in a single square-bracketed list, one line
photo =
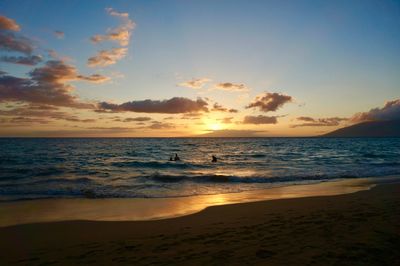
[(177, 157), (170, 158), (214, 159)]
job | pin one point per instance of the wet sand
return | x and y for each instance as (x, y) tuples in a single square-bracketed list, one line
[(362, 228)]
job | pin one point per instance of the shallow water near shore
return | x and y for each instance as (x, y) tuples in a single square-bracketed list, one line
[(139, 168), (52, 210)]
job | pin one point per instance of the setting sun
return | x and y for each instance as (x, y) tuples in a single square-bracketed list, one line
[(215, 126)]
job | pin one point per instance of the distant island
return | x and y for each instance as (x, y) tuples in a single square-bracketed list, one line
[(368, 129)]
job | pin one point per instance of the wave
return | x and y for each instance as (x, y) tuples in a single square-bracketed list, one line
[(154, 164)]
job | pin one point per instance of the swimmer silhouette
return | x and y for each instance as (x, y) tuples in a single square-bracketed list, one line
[(177, 157), (214, 159), (170, 158)]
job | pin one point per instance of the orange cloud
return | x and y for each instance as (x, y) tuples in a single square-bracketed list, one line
[(8, 24), (120, 34), (195, 83), (107, 57)]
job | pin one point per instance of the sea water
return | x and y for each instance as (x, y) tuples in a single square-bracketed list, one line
[(140, 168)]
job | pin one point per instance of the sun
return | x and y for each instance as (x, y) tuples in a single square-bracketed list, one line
[(215, 126)]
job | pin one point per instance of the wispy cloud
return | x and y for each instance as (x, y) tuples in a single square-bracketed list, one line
[(59, 34), (270, 102), (195, 83), (107, 57), (319, 122), (228, 86), (121, 34), (260, 119), (30, 60)]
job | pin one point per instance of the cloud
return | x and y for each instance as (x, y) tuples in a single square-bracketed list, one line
[(94, 78), (112, 12), (8, 24), (219, 108), (319, 122), (195, 83), (11, 42), (22, 121), (233, 133), (261, 119), (46, 85), (39, 112), (137, 119), (270, 102), (121, 34), (390, 111), (22, 60), (228, 86), (174, 105), (107, 57), (192, 116), (226, 120), (59, 34), (161, 125)]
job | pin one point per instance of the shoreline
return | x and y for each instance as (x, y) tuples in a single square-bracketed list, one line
[(347, 229), (147, 209)]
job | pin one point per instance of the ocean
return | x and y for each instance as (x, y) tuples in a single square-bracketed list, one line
[(34, 168)]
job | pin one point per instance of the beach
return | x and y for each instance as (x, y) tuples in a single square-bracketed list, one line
[(360, 228)]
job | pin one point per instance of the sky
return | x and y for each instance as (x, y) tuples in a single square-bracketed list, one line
[(188, 68)]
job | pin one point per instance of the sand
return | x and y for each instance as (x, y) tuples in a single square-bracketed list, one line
[(361, 228)]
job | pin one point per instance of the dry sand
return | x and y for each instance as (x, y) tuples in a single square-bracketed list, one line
[(362, 228)]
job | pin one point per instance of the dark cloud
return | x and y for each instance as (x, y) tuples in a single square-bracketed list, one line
[(22, 121), (219, 108), (8, 24), (261, 119), (228, 86), (11, 42), (270, 102), (47, 85), (174, 105), (319, 122), (137, 119), (390, 111), (22, 60), (45, 112)]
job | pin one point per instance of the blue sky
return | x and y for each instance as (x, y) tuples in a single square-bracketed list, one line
[(335, 58)]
